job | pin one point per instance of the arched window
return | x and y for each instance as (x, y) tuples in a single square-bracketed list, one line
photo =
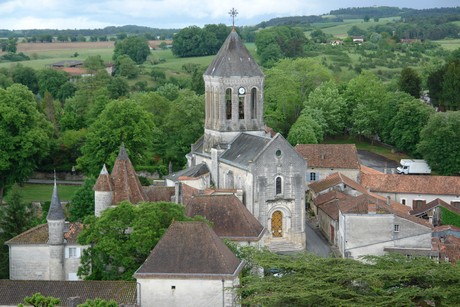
[(241, 107), (228, 103), (278, 185), (254, 103)]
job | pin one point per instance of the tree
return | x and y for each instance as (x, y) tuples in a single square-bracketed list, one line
[(410, 82), (24, 135), (94, 63), (15, 218), (327, 98), (122, 238), (318, 36), (51, 80), (123, 121), (407, 123), (82, 202), (440, 142), (135, 47), (364, 96), (118, 87), (99, 303), (356, 31), (451, 86), (26, 76), (186, 111), (38, 300), (288, 41), (308, 280), (305, 130), (126, 67), (194, 41), (287, 86)]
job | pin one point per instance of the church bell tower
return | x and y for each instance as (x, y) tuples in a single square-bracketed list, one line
[(233, 95)]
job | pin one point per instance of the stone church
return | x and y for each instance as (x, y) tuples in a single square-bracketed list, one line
[(242, 155)]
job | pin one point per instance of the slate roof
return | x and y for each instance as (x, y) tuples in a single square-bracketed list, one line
[(229, 216), (194, 171), (190, 250), (333, 180), (329, 155), (55, 212), (126, 184), (412, 184), (433, 204), (12, 292), (233, 59), (245, 148), (39, 234)]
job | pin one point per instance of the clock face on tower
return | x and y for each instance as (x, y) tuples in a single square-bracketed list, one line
[(241, 91)]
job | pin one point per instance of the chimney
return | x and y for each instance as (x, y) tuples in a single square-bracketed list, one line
[(388, 200)]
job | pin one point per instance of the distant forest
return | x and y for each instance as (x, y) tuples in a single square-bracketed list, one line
[(429, 20)]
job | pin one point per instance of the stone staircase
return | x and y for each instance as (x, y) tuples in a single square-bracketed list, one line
[(282, 246)]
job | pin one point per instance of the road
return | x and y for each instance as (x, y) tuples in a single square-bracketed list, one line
[(316, 243), (377, 162)]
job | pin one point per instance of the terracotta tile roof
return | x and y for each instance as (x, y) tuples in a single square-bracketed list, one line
[(445, 228), (329, 155), (190, 249), (331, 208), (327, 197), (104, 182), (415, 184), (368, 170), (449, 248), (229, 216), (159, 193), (12, 292), (39, 234), (433, 204), (333, 180), (125, 181)]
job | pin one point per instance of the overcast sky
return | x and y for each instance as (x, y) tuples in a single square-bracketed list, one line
[(84, 14)]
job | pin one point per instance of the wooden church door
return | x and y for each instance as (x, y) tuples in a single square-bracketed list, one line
[(277, 224)]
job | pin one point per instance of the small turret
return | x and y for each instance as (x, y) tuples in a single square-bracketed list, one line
[(56, 223), (103, 192)]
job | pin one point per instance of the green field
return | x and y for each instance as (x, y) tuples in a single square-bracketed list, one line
[(449, 44), (43, 192)]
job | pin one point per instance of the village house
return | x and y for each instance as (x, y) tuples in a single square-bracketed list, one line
[(189, 266), (49, 251), (414, 191), (326, 159), (361, 223)]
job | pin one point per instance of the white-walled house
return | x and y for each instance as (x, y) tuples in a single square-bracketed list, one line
[(49, 251), (190, 266), (326, 159), (368, 226), (414, 190)]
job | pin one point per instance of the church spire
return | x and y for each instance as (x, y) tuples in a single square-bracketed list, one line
[(55, 212)]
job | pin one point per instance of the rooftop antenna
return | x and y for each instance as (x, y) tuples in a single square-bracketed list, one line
[(233, 14)]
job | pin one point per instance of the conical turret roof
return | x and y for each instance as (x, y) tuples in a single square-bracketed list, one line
[(104, 182), (233, 59), (126, 184), (56, 212)]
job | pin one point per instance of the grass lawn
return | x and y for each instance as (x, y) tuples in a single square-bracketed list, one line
[(43, 192), (363, 145), (449, 44)]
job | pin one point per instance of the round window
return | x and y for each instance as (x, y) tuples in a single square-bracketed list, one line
[(278, 153)]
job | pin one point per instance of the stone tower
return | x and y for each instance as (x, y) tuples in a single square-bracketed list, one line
[(103, 192), (56, 222), (233, 95)]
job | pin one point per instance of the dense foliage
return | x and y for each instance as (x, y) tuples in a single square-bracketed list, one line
[(194, 41), (308, 280), (440, 142), (25, 135), (122, 238), (135, 47), (82, 203)]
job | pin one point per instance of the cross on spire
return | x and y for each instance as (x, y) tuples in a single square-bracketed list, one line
[(233, 14)]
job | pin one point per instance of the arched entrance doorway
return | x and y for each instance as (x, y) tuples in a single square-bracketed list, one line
[(277, 224)]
